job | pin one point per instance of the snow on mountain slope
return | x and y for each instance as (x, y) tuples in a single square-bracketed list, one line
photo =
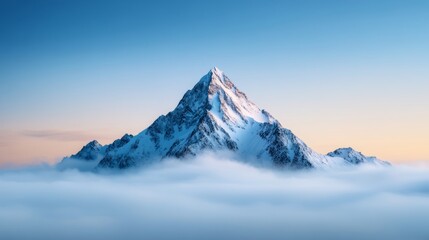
[(213, 116)]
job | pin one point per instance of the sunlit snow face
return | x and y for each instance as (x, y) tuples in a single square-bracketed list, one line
[(211, 198)]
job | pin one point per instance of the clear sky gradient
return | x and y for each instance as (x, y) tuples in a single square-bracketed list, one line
[(337, 73)]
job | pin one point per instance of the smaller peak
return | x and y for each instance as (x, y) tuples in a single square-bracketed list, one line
[(352, 156), (127, 136), (89, 152), (346, 149), (93, 143)]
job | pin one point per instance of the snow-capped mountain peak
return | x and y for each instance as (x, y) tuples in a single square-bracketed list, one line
[(213, 116), (230, 104)]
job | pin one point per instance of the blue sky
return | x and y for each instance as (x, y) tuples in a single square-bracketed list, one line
[(338, 73)]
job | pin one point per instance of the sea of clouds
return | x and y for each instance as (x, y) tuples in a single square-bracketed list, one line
[(214, 198)]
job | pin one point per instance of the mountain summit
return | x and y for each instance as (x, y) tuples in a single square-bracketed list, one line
[(216, 116)]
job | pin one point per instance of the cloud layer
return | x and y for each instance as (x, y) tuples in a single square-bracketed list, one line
[(212, 198), (57, 135)]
